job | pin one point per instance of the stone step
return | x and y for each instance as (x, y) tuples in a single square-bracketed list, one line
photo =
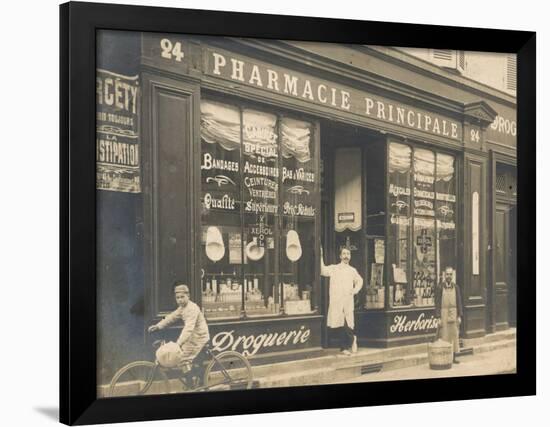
[(362, 357), (494, 345), (497, 336)]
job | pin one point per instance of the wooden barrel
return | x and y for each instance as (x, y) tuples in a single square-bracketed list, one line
[(440, 355)]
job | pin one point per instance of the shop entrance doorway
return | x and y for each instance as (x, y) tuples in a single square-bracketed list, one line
[(353, 162), (505, 265), (505, 250), (502, 288), (342, 204), (512, 262)]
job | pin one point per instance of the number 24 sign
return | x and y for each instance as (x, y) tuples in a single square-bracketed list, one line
[(474, 135), (170, 50)]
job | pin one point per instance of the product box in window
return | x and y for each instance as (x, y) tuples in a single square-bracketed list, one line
[(297, 307)]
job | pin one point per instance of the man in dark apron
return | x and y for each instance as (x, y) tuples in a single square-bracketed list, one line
[(448, 309)]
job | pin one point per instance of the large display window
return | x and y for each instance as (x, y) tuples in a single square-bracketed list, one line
[(422, 230), (446, 208), (259, 198)]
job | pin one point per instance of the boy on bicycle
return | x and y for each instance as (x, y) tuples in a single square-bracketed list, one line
[(194, 334)]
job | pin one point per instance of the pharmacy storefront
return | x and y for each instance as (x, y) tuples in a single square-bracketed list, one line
[(240, 159)]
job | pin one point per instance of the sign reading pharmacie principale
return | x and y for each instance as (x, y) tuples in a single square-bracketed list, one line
[(283, 81), (117, 135)]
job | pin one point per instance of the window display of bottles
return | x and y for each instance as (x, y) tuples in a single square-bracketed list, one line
[(424, 289), (256, 304), (222, 296), (421, 237)]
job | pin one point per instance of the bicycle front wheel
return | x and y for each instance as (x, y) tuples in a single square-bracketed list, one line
[(139, 378), (228, 371)]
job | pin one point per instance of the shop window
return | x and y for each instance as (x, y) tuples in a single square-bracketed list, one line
[(424, 236), (446, 207), (421, 235), (260, 209), (375, 244), (221, 237), (400, 196), (259, 198)]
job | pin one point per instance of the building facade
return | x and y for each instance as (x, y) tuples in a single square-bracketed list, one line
[(228, 163)]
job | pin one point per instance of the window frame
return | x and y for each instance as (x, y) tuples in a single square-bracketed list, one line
[(280, 113), (413, 145)]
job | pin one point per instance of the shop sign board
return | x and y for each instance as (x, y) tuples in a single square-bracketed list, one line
[(300, 86), (503, 130), (117, 132), (412, 323), (346, 217), (252, 339)]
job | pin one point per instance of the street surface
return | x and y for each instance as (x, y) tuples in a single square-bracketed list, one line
[(492, 362)]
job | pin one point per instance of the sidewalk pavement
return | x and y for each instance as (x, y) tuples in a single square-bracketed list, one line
[(501, 361), (491, 354)]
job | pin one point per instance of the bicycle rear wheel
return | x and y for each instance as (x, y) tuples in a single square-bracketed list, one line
[(139, 378), (228, 371)]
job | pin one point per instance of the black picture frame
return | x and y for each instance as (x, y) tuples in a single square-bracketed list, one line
[(78, 25)]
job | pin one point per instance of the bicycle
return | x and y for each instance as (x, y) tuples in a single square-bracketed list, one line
[(227, 370)]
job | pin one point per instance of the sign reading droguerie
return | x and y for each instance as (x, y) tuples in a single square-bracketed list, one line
[(254, 339), (117, 138), (301, 86)]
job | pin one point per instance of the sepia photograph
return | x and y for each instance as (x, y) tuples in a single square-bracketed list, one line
[(272, 214), (284, 213)]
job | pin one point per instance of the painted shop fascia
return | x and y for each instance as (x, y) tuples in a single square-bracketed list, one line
[(395, 71), (175, 74)]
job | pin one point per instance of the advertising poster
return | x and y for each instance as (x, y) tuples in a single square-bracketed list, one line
[(117, 132)]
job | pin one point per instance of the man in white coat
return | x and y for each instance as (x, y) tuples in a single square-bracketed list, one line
[(344, 283)]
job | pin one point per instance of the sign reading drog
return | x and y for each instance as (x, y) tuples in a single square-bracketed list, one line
[(117, 135)]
